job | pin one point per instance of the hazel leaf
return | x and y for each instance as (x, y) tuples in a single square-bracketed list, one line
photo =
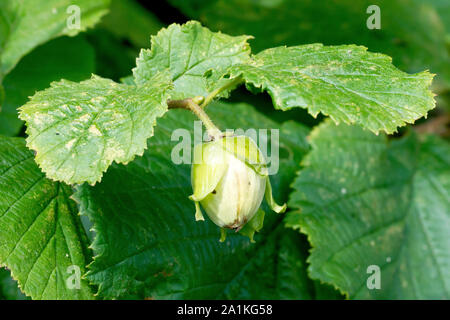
[(194, 57), (79, 129), (376, 208), (42, 238), (347, 83)]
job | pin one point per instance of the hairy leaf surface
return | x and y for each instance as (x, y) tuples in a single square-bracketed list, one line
[(193, 56), (79, 129), (345, 82), (367, 203), (41, 237)]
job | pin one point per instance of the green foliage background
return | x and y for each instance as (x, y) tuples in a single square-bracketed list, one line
[(355, 198)]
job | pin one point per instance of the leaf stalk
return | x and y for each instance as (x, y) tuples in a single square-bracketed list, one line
[(192, 105)]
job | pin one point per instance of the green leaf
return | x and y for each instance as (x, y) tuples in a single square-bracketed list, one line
[(193, 56), (24, 24), (8, 287), (148, 242), (411, 32), (326, 292), (41, 235), (345, 82), (79, 129), (68, 58), (365, 201)]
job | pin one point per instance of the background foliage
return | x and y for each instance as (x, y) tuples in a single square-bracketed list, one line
[(355, 198)]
